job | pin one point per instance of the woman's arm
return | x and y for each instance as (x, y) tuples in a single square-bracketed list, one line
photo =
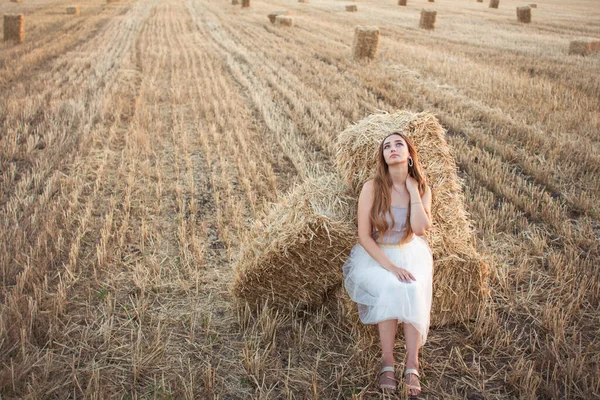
[(365, 203), (420, 211)]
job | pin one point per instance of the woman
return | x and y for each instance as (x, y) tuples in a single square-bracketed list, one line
[(389, 272)]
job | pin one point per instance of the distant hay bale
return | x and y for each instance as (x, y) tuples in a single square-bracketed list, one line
[(584, 46), (480, 1), (275, 14), (73, 10), (494, 3), (16, 1), (245, 3), (352, 8), (302, 1), (431, 1), (402, 2), (524, 14), (427, 20), (533, 5), (459, 282), (235, 2), (366, 42), (111, 1), (283, 20), (294, 256), (14, 27)]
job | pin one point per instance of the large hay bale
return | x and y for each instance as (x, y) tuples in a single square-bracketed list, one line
[(245, 3), (275, 14), (494, 3), (283, 20), (524, 14), (293, 258), (73, 10), (427, 20), (459, 281), (366, 42), (352, 8), (584, 46), (402, 2), (14, 27)]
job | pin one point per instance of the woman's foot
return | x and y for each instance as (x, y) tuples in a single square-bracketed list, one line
[(387, 381), (411, 377)]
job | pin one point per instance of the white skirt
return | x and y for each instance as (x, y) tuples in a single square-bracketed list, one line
[(381, 296)]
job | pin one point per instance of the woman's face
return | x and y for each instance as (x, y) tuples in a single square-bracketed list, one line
[(395, 150)]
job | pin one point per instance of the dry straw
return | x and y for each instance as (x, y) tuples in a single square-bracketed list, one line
[(459, 271), (245, 3), (494, 3), (283, 20), (73, 10), (274, 14), (352, 8), (584, 46), (402, 2), (427, 20), (524, 14), (293, 258), (366, 42), (14, 27)]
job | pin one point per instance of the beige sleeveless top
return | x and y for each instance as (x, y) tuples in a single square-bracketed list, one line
[(397, 232)]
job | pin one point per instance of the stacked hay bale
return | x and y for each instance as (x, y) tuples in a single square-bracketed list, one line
[(14, 27), (293, 257), (352, 8), (73, 10), (245, 3), (366, 42), (494, 3), (283, 20), (274, 14), (584, 46), (524, 14), (459, 282), (402, 2), (427, 20)]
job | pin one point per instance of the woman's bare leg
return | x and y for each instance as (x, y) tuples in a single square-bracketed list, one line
[(387, 337), (413, 340)]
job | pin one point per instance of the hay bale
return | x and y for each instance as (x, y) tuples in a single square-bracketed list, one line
[(459, 281), (245, 3), (480, 1), (352, 8), (283, 20), (494, 3), (584, 46), (16, 1), (427, 20), (402, 2), (366, 42), (533, 5), (431, 1), (524, 14), (302, 1), (293, 257), (235, 2), (73, 10), (275, 14), (111, 1), (14, 27)]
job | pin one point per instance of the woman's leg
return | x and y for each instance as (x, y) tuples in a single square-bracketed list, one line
[(387, 337), (413, 339)]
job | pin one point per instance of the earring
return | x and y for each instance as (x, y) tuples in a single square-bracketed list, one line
[(410, 162)]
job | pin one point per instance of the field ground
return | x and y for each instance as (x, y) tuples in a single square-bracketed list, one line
[(140, 139)]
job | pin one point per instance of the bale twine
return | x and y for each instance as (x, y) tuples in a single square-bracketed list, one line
[(245, 3), (533, 5), (275, 14), (283, 20), (427, 20), (524, 14), (584, 46), (402, 2), (73, 10), (293, 257), (366, 42), (14, 27), (459, 282), (494, 3), (352, 8)]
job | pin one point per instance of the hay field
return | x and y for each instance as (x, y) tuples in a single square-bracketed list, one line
[(141, 139)]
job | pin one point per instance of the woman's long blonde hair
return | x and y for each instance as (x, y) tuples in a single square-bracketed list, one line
[(382, 195)]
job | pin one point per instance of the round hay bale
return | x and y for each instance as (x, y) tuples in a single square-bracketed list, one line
[(293, 257), (402, 2), (524, 14), (366, 42), (352, 8), (584, 46), (427, 20), (14, 27), (459, 282), (494, 3), (73, 10), (274, 14), (245, 3), (283, 20)]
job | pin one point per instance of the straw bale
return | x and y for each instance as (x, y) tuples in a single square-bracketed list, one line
[(235, 2), (245, 3), (283, 20), (494, 3), (584, 46), (480, 1), (524, 14), (16, 1), (431, 1), (402, 2), (366, 42), (111, 1), (73, 10), (352, 8), (14, 27), (293, 257), (533, 5), (459, 286), (275, 14), (427, 20), (302, 1)]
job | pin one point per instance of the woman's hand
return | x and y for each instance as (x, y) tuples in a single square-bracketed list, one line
[(411, 184), (402, 274)]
